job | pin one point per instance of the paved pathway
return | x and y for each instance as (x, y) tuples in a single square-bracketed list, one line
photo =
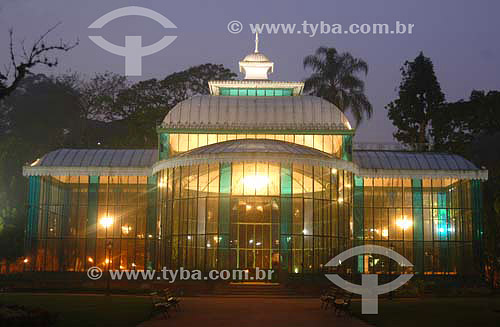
[(252, 312)]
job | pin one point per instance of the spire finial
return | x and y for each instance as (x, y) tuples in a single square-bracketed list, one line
[(256, 65), (256, 42)]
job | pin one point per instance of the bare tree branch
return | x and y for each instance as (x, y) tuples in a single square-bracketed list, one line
[(41, 53)]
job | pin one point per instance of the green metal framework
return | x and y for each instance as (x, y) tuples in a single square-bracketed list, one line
[(418, 225), (347, 147), (224, 215), (358, 219), (164, 145), (286, 217), (267, 92)]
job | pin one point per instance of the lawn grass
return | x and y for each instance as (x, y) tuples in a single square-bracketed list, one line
[(434, 312), (87, 310)]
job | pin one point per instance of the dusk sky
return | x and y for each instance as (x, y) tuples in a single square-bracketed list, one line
[(461, 37)]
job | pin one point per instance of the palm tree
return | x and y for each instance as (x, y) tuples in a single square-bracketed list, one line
[(335, 79)]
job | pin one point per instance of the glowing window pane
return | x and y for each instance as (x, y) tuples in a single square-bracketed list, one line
[(193, 141), (183, 142), (221, 137), (213, 177), (262, 179), (274, 177), (249, 184), (174, 143), (309, 140), (318, 142), (297, 180), (202, 140), (237, 179), (212, 138)]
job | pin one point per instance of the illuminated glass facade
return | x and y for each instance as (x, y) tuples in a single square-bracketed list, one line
[(286, 216), (86, 221), (253, 215), (430, 221), (267, 180)]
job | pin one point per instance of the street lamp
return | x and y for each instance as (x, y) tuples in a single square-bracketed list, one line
[(25, 261)]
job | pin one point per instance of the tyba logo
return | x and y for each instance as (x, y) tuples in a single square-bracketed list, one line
[(369, 288), (133, 51)]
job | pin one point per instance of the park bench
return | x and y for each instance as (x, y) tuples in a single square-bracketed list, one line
[(160, 305), (342, 304), (171, 298), (328, 298)]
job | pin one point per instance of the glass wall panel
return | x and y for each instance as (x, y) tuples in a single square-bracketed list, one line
[(423, 218), (257, 216), (86, 221), (295, 217), (331, 144)]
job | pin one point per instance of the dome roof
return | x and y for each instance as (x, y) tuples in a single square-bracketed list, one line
[(256, 113), (256, 57), (256, 66)]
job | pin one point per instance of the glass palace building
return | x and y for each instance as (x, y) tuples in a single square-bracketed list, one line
[(253, 175)]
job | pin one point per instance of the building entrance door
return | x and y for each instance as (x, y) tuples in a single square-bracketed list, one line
[(254, 238)]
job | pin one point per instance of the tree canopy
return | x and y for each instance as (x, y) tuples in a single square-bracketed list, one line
[(457, 124), (140, 108), (420, 97), (335, 79)]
